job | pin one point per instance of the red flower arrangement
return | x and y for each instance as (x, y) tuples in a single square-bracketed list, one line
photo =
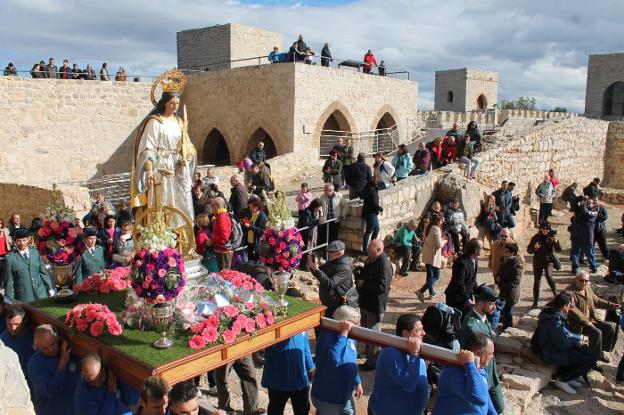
[(116, 279), (95, 319), (229, 322), (60, 241), (241, 280), (281, 250)]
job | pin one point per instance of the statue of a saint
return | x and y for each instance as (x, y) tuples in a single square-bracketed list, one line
[(164, 157)]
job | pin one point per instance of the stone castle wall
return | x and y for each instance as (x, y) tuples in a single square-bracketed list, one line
[(602, 71), (614, 168), (214, 47), (573, 146), (57, 131), (291, 102), (466, 85)]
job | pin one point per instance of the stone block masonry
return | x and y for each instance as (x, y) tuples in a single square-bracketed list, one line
[(602, 72), (57, 131), (614, 168)]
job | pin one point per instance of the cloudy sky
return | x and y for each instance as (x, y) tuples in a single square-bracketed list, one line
[(539, 48)]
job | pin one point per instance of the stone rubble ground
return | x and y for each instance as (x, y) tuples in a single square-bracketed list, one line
[(526, 380)]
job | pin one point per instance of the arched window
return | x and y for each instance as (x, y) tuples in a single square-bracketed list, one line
[(336, 125), (261, 135), (215, 150), (613, 100), (449, 96), (481, 102)]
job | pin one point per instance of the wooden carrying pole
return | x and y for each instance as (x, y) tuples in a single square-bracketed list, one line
[(427, 351)]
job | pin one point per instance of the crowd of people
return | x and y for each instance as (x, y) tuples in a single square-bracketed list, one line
[(569, 335), (299, 51), (51, 70)]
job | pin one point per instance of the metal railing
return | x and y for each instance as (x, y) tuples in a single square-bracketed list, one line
[(384, 140)]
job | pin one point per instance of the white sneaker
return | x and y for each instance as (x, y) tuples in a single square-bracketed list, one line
[(564, 387), (575, 384)]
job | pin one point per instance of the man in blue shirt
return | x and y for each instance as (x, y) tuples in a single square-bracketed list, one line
[(401, 379), (336, 367), (183, 401), (18, 335), (96, 393), (288, 369), (53, 374), (464, 389)]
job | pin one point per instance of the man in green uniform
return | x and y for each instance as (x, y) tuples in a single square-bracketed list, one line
[(92, 259), (25, 274), (476, 321)]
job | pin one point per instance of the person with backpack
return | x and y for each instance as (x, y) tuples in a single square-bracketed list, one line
[(221, 234), (254, 223), (557, 346), (261, 180), (385, 175)]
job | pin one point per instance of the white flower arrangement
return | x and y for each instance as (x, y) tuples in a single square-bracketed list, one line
[(157, 236), (280, 217)]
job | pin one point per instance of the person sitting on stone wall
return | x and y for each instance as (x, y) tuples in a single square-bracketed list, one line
[(10, 70), (454, 132), (455, 224), (582, 318), (476, 137), (556, 345), (466, 155), (437, 153), (421, 160), (449, 150), (402, 162)]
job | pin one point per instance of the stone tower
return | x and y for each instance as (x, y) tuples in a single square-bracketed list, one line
[(216, 47), (464, 90), (604, 96)]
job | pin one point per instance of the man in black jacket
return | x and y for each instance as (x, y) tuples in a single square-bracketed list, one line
[(238, 196), (335, 276), (260, 180), (504, 206), (373, 285), (326, 56), (459, 293), (592, 190), (358, 175)]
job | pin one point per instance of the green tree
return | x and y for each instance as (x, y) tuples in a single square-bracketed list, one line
[(521, 103), (560, 109)]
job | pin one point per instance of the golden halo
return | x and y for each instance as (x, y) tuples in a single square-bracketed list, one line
[(172, 80)]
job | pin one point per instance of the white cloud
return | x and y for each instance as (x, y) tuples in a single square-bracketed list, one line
[(539, 48)]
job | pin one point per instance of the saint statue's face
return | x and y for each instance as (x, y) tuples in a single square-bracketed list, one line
[(172, 106)]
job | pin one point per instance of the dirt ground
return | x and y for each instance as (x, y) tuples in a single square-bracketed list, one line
[(602, 398)]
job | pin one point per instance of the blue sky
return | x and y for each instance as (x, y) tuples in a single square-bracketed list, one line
[(540, 48)]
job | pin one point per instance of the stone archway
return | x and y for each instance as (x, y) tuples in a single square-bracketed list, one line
[(261, 135), (613, 100), (385, 134), (386, 121), (336, 125), (482, 103), (215, 150), (342, 118)]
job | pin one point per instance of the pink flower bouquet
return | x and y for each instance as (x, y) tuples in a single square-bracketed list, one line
[(281, 250), (94, 319), (158, 276), (116, 279), (228, 322), (59, 241)]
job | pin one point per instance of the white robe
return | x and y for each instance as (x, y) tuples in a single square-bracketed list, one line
[(161, 144)]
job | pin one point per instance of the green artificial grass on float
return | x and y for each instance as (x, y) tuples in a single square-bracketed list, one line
[(137, 343)]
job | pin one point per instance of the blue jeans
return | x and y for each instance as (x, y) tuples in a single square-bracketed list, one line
[(433, 275), (326, 408), (587, 250), (506, 220), (496, 315), (372, 228), (507, 314)]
